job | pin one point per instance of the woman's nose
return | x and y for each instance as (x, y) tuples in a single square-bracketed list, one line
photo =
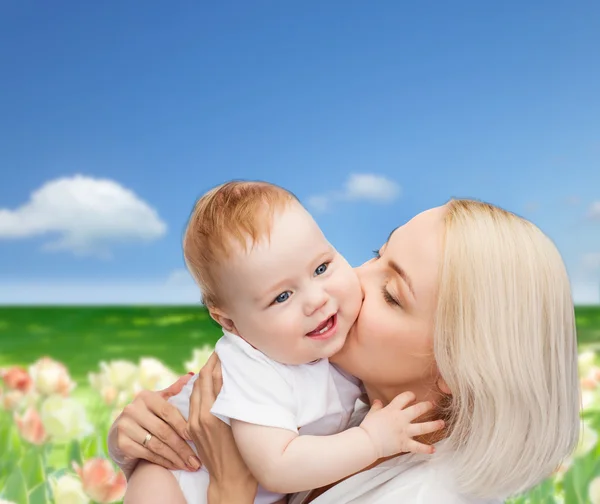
[(362, 270)]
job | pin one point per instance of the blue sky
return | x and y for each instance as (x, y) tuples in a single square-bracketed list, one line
[(116, 116)]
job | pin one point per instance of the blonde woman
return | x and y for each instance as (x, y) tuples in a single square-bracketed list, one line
[(466, 305)]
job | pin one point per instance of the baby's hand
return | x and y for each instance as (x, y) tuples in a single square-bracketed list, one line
[(391, 430)]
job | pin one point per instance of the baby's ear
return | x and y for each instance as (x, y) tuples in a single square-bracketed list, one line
[(223, 320)]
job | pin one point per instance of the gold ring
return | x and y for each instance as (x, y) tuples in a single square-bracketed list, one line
[(146, 440)]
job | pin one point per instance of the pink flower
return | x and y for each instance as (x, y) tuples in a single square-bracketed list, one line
[(109, 394), (30, 427), (588, 383), (17, 378), (100, 481), (11, 399)]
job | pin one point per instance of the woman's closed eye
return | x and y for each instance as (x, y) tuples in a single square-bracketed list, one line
[(389, 299)]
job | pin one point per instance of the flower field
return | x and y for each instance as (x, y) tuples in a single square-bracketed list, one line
[(66, 373)]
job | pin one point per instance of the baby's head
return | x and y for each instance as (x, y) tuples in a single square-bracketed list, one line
[(268, 274)]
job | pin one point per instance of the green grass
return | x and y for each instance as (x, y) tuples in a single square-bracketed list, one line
[(588, 325), (80, 337)]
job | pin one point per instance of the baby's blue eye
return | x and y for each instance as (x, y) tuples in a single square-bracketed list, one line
[(284, 296), (321, 269)]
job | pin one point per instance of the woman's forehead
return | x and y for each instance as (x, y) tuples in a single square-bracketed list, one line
[(417, 247), (422, 231)]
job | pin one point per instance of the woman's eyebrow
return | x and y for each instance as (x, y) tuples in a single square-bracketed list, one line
[(398, 269)]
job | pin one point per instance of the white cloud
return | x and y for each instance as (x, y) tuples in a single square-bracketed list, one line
[(358, 187), (89, 216), (175, 289), (594, 211), (371, 187)]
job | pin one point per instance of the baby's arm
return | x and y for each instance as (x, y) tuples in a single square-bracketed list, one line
[(152, 484), (284, 462)]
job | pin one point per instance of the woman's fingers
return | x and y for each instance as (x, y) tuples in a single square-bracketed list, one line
[(217, 376), (207, 388), (169, 414), (188, 462), (137, 451), (137, 432), (203, 397), (165, 441), (195, 399)]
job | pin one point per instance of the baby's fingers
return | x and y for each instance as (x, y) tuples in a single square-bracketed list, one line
[(416, 447), (416, 410), (418, 429), (402, 400)]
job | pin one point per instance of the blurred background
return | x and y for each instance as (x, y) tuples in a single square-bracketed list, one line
[(116, 116)]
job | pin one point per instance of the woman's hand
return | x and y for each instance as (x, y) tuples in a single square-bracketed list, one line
[(230, 479), (150, 413)]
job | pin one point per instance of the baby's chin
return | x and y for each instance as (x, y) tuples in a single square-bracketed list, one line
[(335, 345)]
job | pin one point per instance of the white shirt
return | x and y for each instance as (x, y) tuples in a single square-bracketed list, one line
[(407, 479), (315, 398)]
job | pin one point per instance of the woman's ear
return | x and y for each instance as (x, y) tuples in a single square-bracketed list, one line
[(443, 386), (223, 320)]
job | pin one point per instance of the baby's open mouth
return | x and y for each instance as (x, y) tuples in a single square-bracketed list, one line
[(324, 326)]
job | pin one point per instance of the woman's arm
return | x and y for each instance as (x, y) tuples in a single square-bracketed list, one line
[(231, 482), (150, 413)]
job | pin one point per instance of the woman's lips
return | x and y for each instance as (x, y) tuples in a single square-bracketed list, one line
[(325, 330)]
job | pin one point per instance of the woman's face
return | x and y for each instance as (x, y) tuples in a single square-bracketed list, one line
[(390, 347)]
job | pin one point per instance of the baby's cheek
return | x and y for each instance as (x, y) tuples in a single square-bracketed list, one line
[(354, 291)]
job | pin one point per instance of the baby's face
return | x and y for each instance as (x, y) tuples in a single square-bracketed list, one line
[(293, 297)]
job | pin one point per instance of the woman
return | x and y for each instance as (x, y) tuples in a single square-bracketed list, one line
[(466, 305)]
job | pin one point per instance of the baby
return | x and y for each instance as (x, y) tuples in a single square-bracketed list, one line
[(286, 301)]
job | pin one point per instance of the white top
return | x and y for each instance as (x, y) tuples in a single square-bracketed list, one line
[(407, 479), (315, 398)]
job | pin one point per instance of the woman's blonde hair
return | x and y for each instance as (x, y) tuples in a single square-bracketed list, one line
[(506, 346)]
